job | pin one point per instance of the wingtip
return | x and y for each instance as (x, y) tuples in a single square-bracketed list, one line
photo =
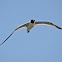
[(61, 28), (1, 43)]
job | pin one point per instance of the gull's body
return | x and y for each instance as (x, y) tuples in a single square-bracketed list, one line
[(31, 24)]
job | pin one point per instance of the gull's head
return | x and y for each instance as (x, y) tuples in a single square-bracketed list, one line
[(32, 21)]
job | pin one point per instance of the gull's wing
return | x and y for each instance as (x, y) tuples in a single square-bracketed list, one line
[(24, 25), (47, 23)]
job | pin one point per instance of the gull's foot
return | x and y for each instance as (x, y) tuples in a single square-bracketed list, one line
[(28, 31)]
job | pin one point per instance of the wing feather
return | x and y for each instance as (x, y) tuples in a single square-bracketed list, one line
[(24, 25), (47, 23)]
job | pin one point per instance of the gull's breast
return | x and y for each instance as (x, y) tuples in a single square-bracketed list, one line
[(31, 25)]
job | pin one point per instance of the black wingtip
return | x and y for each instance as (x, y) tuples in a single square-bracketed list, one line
[(60, 28), (7, 38), (1, 43)]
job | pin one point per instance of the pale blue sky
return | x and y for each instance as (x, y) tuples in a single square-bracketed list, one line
[(43, 43)]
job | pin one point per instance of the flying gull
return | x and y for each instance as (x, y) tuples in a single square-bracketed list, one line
[(30, 25)]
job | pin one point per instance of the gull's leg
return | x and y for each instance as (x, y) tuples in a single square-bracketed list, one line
[(28, 31)]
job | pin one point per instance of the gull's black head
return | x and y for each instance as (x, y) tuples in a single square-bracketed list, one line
[(32, 21)]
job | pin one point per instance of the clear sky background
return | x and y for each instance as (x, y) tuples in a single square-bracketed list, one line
[(43, 43)]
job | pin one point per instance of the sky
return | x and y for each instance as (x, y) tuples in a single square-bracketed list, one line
[(43, 43)]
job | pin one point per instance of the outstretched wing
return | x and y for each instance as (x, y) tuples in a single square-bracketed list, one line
[(24, 25), (47, 23)]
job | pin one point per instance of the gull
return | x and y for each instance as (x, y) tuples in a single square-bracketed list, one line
[(30, 25)]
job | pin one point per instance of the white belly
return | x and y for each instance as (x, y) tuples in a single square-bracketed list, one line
[(31, 25)]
